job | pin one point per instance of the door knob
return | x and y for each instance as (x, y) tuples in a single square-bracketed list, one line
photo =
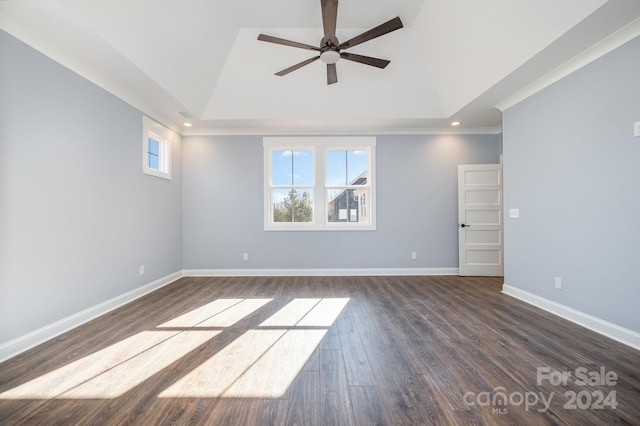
[(463, 226)]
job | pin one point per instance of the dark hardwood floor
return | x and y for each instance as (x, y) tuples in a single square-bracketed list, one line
[(324, 351)]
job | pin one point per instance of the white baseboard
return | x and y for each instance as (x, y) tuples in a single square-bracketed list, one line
[(615, 332), (317, 272), (28, 341)]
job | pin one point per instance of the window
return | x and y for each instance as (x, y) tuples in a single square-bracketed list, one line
[(292, 185), (319, 183), (156, 149)]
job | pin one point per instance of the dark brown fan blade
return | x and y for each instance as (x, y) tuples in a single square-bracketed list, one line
[(277, 40), (296, 66), (382, 29), (329, 18), (332, 75), (374, 62)]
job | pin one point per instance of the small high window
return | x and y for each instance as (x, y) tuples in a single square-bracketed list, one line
[(156, 149)]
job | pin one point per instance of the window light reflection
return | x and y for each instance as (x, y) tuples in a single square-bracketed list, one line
[(324, 313), (219, 313), (196, 316), (291, 313), (112, 371), (261, 363)]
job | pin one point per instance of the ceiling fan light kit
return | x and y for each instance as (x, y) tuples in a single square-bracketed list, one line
[(330, 49), (330, 56)]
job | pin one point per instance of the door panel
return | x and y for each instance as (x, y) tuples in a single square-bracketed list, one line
[(482, 217), (480, 220), (483, 198), (482, 237), (483, 257)]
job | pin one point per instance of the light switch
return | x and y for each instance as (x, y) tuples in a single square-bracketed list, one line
[(514, 213), (636, 129)]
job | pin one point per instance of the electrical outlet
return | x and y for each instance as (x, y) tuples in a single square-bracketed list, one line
[(414, 255), (245, 256), (558, 282), (141, 269)]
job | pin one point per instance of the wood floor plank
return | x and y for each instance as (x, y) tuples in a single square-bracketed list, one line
[(335, 401), (304, 402), (376, 350), (367, 406), (232, 412), (400, 404), (355, 358), (331, 339)]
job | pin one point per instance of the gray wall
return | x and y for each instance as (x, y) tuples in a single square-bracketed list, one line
[(416, 199), (77, 215), (572, 166)]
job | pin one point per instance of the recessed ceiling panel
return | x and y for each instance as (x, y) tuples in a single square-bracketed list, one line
[(247, 87)]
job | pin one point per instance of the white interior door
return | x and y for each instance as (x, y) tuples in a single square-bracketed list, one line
[(480, 220)]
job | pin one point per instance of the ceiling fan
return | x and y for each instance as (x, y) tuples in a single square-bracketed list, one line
[(331, 49)]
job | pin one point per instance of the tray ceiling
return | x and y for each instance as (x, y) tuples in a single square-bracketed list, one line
[(455, 59)]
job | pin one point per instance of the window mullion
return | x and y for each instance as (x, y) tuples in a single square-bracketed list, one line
[(320, 191)]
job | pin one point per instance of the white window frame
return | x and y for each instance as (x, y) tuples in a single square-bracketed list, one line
[(153, 130), (319, 146)]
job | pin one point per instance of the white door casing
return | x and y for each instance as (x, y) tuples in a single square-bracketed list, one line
[(480, 222)]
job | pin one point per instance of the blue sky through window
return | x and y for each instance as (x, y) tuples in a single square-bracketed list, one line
[(296, 167), (154, 154), (292, 168), (343, 167)]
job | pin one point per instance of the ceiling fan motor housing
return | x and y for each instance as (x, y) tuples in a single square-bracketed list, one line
[(330, 54)]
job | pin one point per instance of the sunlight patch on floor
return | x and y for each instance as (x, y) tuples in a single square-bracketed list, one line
[(273, 373), (261, 363), (219, 313), (235, 313), (324, 313), (112, 371), (214, 376), (291, 313), (196, 316), (258, 364)]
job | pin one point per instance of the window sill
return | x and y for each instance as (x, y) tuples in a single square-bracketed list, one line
[(156, 173), (335, 227)]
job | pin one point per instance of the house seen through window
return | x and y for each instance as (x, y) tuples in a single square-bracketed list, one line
[(346, 183)]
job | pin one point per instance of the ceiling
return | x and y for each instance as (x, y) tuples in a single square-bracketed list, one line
[(200, 60)]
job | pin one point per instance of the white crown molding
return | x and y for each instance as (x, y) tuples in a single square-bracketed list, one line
[(615, 332), (41, 335), (275, 131), (600, 49)]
